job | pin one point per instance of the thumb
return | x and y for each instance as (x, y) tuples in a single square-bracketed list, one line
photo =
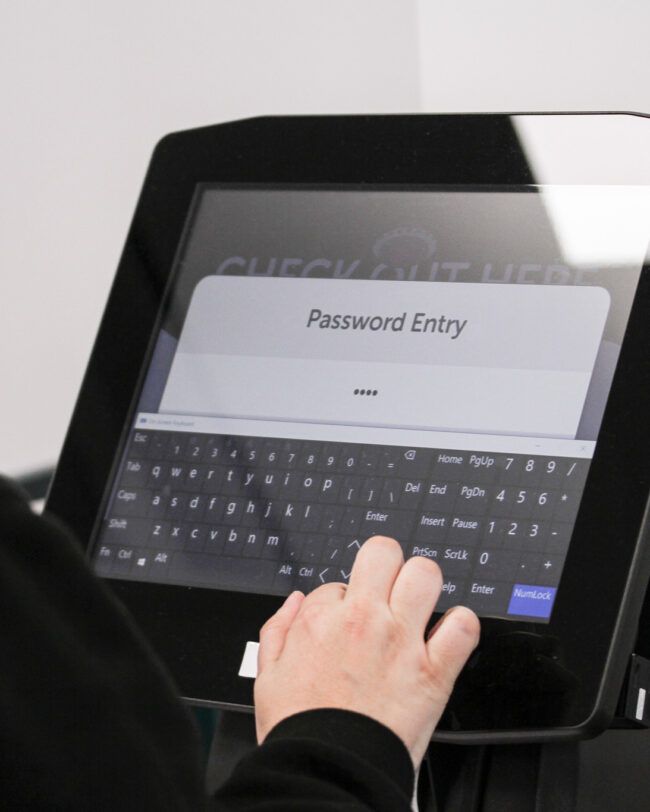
[(273, 633)]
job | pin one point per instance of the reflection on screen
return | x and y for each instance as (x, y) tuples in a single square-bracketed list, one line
[(431, 371)]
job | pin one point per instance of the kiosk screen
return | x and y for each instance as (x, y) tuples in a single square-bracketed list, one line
[(332, 364)]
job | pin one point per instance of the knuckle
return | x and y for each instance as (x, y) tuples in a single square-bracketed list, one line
[(310, 615), (358, 618)]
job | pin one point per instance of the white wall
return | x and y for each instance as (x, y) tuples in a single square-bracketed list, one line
[(88, 88), (527, 55)]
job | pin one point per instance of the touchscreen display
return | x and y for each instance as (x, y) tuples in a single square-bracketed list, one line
[(331, 364)]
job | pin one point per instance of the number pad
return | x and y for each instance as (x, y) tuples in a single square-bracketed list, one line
[(521, 470), (498, 564)]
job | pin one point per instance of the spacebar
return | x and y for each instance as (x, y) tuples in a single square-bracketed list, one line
[(223, 573)]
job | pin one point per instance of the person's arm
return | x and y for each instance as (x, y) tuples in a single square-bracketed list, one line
[(89, 719), (349, 692)]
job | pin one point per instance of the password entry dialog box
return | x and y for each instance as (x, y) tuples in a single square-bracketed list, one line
[(462, 357)]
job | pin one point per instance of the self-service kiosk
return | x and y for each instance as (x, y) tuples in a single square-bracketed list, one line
[(429, 327)]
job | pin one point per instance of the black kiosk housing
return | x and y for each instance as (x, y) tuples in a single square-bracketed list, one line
[(555, 674)]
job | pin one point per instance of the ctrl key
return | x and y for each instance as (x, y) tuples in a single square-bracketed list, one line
[(123, 561)]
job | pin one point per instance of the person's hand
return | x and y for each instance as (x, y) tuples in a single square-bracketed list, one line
[(362, 648)]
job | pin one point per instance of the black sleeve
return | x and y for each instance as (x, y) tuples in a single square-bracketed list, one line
[(323, 761), (89, 718)]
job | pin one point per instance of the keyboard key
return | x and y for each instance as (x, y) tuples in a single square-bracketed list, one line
[(576, 474), (293, 547), (330, 488), (472, 499), (234, 541), (389, 462), (483, 468), (254, 544), (531, 600), (214, 508), (215, 539), (350, 460), (312, 515), (270, 458), (559, 537), (566, 505), (131, 502), (158, 445), (550, 569), (450, 466), (329, 459), (308, 458), (176, 536), (272, 547), (411, 494), (177, 445), (252, 451), (103, 560), (123, 560), (464, 530), (390, 493), (524, 500), (496, 564), (424, 550), (529, 564), (452, 594), (370, 460), (439, 496), (222, 573), (415, 463), (195, 448), (213, 450), (233, 511), (129, 531), (140, 443), (371, 491), (305, 579), (158, 565), (289, 454), (431, 527), (543, 504), (196, 506), (351, 491), (457, 560), (194, 477), (195, 538), (135, 474), (488, 597), (312, 549)]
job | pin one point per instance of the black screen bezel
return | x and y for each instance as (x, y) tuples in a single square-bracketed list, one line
[(189, 626)]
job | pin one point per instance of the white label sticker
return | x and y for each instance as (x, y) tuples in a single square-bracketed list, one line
[(640, 704), (248, 667)]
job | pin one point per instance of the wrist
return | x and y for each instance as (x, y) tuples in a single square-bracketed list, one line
[(356, 733)]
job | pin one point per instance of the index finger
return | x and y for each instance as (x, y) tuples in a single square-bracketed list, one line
[(375, 568)]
